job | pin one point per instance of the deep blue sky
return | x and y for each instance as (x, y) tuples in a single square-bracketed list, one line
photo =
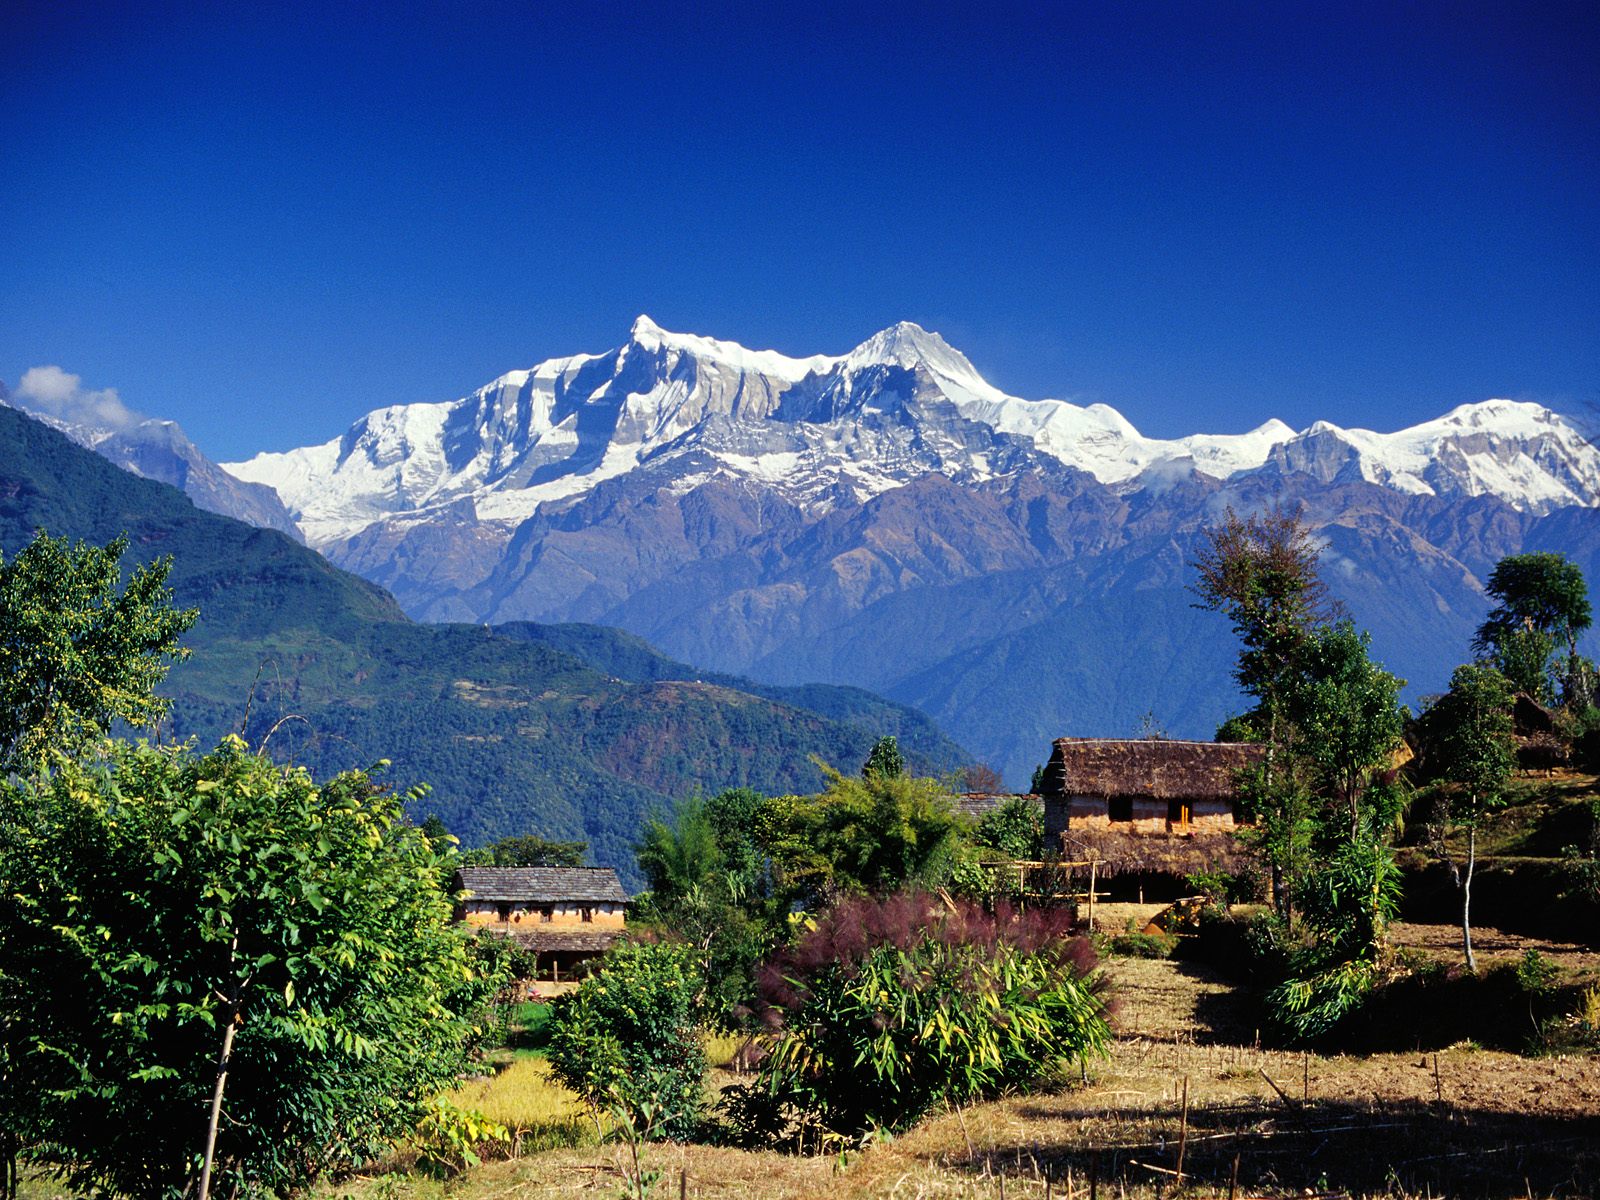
[(1204, 214)]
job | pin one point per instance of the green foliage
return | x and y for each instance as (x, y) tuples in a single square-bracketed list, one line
[(526, 850), (1015, 830), (1469, 733), (874, 834), (1344, 908), (447, 1138), (76, 653), (1344, 712), (1143, 945), (627, 1038), (885, 761), (710, 883), (153, 899), (1261, 573), (888, 1008), (1523, 657), (1543, 604)]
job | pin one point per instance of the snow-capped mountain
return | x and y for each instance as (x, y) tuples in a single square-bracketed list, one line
[(824, 431), (1018, 569)]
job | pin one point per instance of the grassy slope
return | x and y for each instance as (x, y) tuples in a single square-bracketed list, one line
[(513, 735)]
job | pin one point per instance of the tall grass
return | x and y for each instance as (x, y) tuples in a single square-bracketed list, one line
[(538, 1111)]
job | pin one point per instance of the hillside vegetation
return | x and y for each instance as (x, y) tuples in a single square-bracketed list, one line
[(512, 729)]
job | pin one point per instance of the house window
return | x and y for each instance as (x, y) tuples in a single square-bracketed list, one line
[(545, 915), (504, 911), (1120, 808), (588, 914), (1178, 813)]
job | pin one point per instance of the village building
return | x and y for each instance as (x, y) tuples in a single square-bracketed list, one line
[(564, 915), (1149, 810), (1148, 785)]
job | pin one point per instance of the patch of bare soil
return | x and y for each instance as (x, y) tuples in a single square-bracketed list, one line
[(1493, 946)]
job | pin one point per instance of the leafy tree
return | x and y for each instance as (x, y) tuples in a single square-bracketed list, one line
[(1542, 594), (1261, 573), (1015, 830), (889, 1007), (884, 760), (215, 942), (710, 884), (527, 850), (679, 858), (627, 1039), (77, 654), (874, 834), (1344, 714), (1469, 728)]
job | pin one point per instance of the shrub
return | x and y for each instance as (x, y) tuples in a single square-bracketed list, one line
[(888, 1007), (626, 1040), (1143, 945)]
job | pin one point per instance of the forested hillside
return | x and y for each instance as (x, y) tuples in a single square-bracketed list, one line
[(514, 729)]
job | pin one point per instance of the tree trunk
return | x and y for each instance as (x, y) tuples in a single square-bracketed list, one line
[(1466, 898), (216, 1106)]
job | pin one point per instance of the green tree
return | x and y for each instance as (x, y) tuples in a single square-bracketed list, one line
[(527, 850), (884, 760), (1469, 729), (1344, 714), (1014, 830), (627, 1040), (1543, 594), (77, 653), (875, 834), (215, 943), (1261, 573)]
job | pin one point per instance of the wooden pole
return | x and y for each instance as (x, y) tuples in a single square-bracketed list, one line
[(1094, 864), (1233, 1179), (1183, 1129)]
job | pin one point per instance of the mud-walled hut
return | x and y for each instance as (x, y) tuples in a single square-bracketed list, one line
[(1153, 810)]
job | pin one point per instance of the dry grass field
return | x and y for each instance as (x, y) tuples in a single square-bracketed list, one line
[(1185, 1077)]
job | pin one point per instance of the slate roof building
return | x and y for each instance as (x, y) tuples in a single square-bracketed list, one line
[(563, 914)]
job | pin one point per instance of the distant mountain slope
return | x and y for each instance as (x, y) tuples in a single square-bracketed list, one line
[(512, 734), (160, 450)]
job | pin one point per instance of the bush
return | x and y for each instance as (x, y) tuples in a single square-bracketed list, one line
[(889, 1007), (1143, 945), (626, 1040)]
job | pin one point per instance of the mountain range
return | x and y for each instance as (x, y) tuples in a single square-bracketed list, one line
[(1017, 569)]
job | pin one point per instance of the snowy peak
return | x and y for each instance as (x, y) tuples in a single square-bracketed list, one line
[(1518, 451), (679, 409)]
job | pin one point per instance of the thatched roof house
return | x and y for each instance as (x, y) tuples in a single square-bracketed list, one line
[(563, 914), (1146, 785)]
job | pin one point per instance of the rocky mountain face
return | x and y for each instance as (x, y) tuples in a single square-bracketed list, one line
[(1018, 569), (160, 450)]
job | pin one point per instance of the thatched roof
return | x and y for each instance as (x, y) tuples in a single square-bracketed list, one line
[(542, 885), (1158, 768), (1121, 851)]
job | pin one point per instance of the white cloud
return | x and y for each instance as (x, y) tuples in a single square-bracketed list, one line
[(61, 394)]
